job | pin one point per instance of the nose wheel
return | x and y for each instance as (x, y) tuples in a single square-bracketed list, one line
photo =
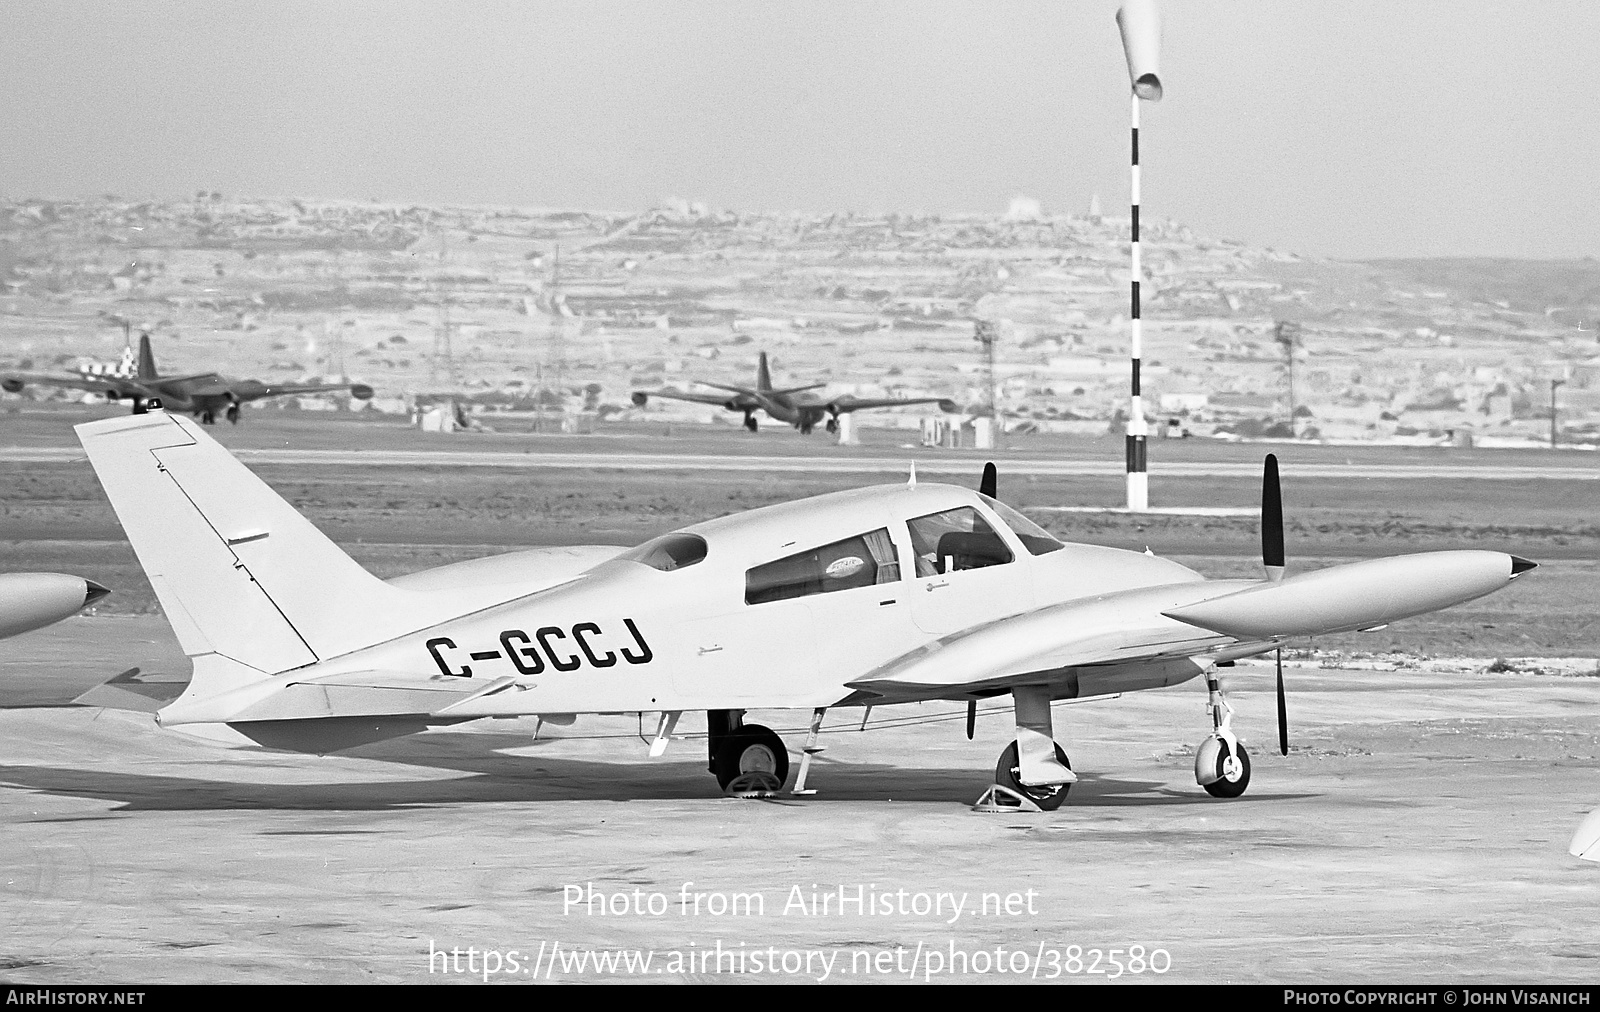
[(1230, 766), (233, 413), (1221, 765)]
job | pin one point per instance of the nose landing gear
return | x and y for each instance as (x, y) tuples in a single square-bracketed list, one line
[(1221, 765)]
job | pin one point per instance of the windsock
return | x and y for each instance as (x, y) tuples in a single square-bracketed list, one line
[(1141, 42)]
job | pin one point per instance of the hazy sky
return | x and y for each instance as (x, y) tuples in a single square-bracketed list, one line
[(1344, 129)]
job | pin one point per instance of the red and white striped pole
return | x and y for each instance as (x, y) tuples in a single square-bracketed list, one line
[(1141, 43)]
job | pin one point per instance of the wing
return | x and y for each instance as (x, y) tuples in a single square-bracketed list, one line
[(1168, 633), (360, 391), (1055, 644), (840, 405), (740, 398), (113, 386)]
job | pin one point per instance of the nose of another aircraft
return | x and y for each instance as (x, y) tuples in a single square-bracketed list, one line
[(1520, 566)]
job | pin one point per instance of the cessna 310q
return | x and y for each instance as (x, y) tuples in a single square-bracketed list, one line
[(794, 405), (893, 593), (203, 394)]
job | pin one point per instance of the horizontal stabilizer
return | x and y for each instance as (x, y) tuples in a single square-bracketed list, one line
[(128, 691), (1360, 595)]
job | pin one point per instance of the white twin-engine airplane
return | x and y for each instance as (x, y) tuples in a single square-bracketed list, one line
[(888, 594)]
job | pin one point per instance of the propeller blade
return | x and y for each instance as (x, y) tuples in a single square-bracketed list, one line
[(972, 713), (1283, 711), (1271, 520), (991, 480)]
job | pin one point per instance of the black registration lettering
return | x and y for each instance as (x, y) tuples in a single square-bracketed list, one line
[(583, 644), (644, 655), (524, 656), (570, 663), (434, 646)]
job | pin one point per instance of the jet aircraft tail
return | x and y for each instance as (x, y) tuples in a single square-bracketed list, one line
[(147, 360), (250, 587), (763, 376)]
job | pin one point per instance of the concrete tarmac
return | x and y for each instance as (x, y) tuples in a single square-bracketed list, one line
[(1416, 832)]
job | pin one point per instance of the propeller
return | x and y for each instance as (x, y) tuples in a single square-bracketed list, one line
[(1272, 560), (1271, 520), (1283, 711), (990, 483)]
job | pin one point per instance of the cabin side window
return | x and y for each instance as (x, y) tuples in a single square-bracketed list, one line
[(954, 540), (668, 552), (861, 561)]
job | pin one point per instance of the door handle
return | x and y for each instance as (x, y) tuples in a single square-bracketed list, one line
[(935, 586)]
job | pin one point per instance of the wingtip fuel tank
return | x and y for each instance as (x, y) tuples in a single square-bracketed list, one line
[(33, 600)]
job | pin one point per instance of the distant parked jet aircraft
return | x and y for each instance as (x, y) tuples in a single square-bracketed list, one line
[(200, 394), (794, 405)]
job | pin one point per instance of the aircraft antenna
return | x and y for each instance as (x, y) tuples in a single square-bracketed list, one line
[(1141, 44)]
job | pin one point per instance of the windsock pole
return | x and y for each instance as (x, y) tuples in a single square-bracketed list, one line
[(1140, 27), (1138, 431)]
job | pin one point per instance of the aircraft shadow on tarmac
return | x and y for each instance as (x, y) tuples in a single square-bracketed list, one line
[(496, 778)]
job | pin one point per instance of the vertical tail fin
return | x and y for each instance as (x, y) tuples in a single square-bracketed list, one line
[(763, 377), (147, 359), (250, 587)]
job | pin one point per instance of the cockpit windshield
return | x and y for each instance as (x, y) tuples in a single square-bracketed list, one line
[(1033, 537), (668, 552)]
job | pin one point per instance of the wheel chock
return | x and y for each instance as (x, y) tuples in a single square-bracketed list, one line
[(1003, 799), (755, 784)]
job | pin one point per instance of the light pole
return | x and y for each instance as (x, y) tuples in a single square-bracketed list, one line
[(1553, 430), (1141, 44), (1286, 334)]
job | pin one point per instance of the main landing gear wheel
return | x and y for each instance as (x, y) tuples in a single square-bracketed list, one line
[(208, 417), (750, 422), (1233, 773), (1047, 796), (233, 413), (752, 761)]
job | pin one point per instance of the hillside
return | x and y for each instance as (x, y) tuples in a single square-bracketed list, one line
[(573, 310)]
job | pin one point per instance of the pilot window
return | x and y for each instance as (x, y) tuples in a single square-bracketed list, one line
[(1034, 538), (954, 540), (844, 565)]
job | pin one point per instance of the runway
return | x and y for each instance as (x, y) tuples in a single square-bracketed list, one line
[(1417, 832), (926, 464)]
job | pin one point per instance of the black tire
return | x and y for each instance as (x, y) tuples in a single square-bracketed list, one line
[(752, 759), (750, 423), (1048, 796), (208, 418), (233, 414), (1222, 787)]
